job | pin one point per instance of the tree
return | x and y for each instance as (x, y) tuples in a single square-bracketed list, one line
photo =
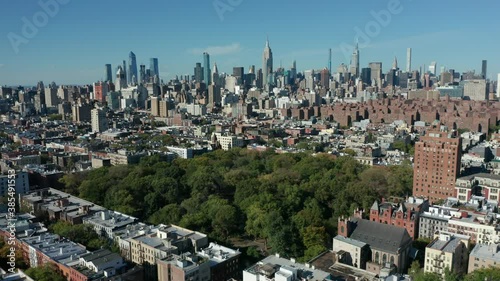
[(46, 272), (484, 274)]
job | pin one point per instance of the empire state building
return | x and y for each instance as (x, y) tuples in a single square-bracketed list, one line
[(267, 64)]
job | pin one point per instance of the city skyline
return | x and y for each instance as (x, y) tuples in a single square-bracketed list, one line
[(75, 61)]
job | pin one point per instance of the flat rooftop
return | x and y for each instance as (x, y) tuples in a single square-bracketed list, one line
[(272, 264), (488, 252)]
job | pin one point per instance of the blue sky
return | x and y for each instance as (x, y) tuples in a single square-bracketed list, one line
[(83, 35)]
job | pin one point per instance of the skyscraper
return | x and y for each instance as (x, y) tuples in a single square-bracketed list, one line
[(98, 120), (267, 64), (132, 69), (215, 75), (498, 85), (483, 69), (330, 60), (239, 73), (153, 68), (121, 80), (198, 72), (124, 69), (408, 60), (355, 62), (376, 72), (437, 165), (433, 68), (366, 75), (395, 63), (142, 73), (206, 67), (108, 73)]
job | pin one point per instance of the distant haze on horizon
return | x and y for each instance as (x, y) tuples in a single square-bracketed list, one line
[(73, 40)]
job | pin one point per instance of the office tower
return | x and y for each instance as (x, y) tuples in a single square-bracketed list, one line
[(258, 80), (309, 77), (124, 69), (239, 73), (121, 80), (395, 64), (153, 68), (325, 78), (330, 60), (366, 75), (436, 165), (98, 120), (293, 72), (251, 69), (433, 68), (355, 62), (267, 64), (51, 99), (214, 96), (142, 74), (484, 68), (198, 72), (391, 78), (206, 69), (215, 75), (132, 69), (376, 72), (408, 60), (403, 79), (108, 72)]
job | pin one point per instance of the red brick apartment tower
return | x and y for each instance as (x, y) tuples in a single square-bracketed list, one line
[(436, 165)]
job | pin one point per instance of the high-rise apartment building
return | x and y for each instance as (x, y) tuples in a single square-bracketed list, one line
[(98, 120), (51, 98), (498, 85), (408, 60), (436, 166), (474, 89)]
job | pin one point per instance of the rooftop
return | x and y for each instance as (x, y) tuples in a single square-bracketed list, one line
[(447, 242), (489, 252), (273, 265), (350, 241)]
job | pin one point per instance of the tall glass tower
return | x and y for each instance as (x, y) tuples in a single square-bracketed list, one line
[(132, 69), (206, 69), (153, 67), (109, 74)]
